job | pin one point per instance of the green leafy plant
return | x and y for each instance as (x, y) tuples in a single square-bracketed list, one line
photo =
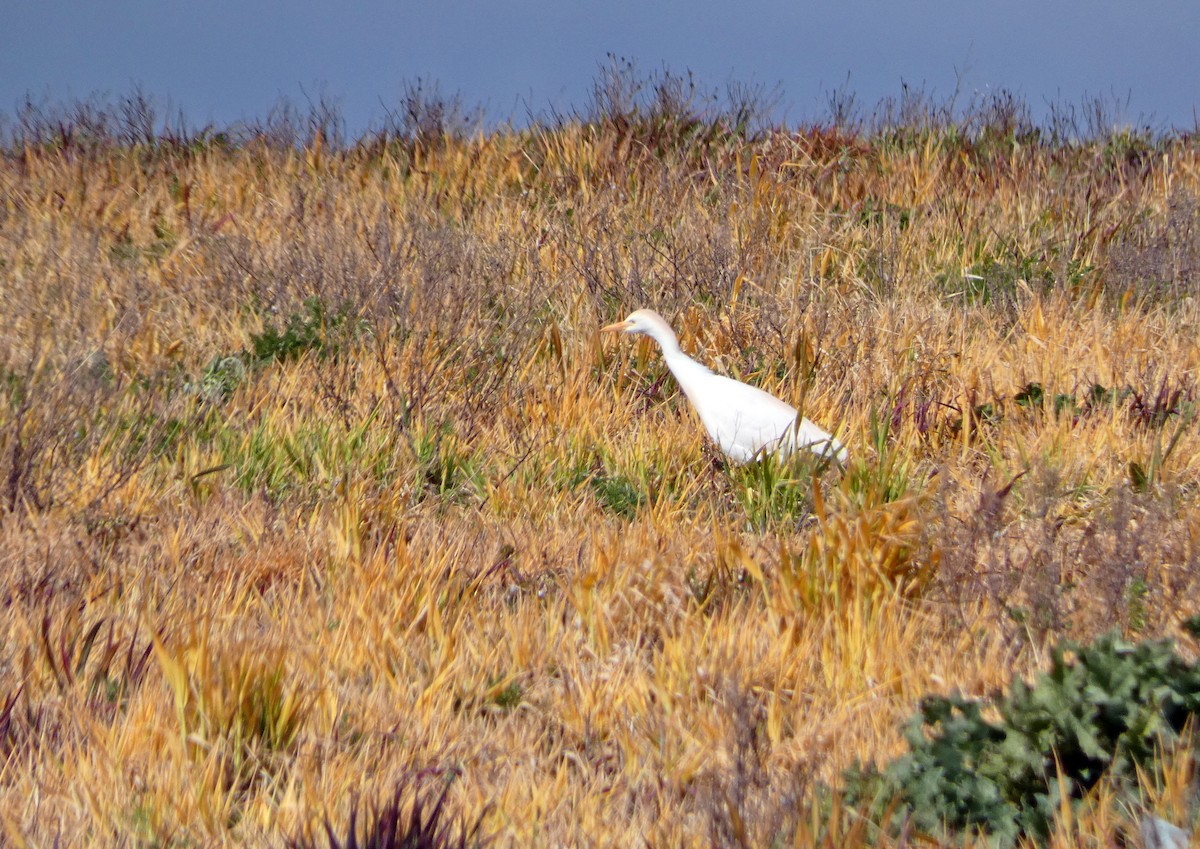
[(996, 279), (1143, 476), (1031, 395), (222, 376), (620, 491), (307, 330), (617, 493), (778, 491), (314, 328), (508, 696), (1105, 710), (444, 466), (885, 478), (773, 491)]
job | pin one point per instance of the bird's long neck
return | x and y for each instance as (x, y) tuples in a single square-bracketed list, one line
[(666, 339), (683, 367)]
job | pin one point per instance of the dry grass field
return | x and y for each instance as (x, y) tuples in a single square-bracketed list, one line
[(318, 483)]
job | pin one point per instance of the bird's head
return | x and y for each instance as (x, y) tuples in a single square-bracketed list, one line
[(646, 322)]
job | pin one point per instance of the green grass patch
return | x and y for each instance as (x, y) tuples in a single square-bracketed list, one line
[(307, 457)]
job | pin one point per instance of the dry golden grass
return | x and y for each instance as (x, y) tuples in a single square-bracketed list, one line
[(461, 536)]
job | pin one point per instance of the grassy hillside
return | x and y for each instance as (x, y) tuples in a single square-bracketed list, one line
[(317, 479)]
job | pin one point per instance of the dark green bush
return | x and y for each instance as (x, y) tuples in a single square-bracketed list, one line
[(312, 329), (315, 329), (1101, 710)]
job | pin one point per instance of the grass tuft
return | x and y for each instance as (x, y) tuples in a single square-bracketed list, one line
[(399, 822)]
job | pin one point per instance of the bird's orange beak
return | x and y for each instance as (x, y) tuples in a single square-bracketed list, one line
[(615, 328)]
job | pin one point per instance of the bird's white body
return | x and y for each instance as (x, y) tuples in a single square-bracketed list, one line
[(745, 422)]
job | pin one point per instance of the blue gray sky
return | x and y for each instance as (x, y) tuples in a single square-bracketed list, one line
[(221, 62)]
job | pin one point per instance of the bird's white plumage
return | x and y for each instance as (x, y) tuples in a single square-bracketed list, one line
[(745, 422)]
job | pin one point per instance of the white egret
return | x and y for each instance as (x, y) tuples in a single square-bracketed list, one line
[(745, 422)]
